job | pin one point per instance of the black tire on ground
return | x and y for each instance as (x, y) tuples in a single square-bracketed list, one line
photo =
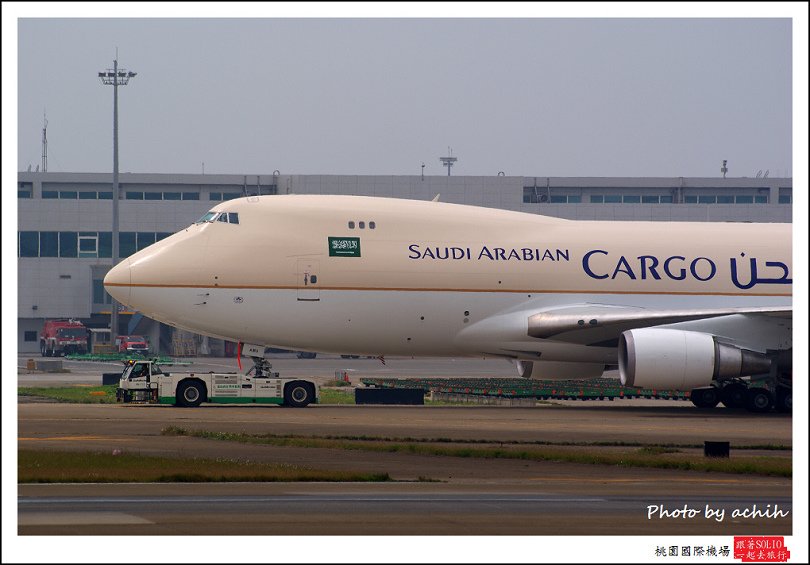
[(759, 400), (298, 394), (734, 395), (190, 394), (706, 397), (784, 399)]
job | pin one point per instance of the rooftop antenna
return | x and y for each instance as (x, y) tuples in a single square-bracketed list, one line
[(44, 143), (759, 173), (766, 173), (724, 169), (448, 161)]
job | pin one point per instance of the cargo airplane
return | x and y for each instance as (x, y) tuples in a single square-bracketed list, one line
[(700, 307)]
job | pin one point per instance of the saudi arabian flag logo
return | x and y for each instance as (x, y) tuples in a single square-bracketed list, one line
[(344, 247)]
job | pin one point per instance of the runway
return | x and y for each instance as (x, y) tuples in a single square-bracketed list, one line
[(465, 496), (390, 509)]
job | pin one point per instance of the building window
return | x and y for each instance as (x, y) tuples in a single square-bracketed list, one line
[(532, 195), (105, 195), (559, 199), (30, 335), (88, 244), (49, 244), (214, 196), (145, 239), (134, 195), (100, 296), (649, 199), (105, 244), (191, 196), (68, 195), (613, 198), (48, 194), (25, 189), (744, 199), (597, 199), (231, 195), (153, 196), (126, 244), (761, 199), (162, 235), (725, 199), (171, 196), (574, 199), (665, 199), (68, 244), (631, 199), (691, 199), (707, 199), (88, 195), (29, 244), (784, 199)]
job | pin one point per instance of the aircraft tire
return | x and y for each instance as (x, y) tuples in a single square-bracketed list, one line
[(298, 394), (784, 399), (190, 394), (734, 395), (706, 397), (759, 400)]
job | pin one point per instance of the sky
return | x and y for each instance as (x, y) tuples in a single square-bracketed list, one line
[(527, 96), (572, 89)]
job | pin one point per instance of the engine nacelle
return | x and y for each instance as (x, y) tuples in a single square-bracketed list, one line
[(682, 360)]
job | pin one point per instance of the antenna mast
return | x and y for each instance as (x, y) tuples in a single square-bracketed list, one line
[(44, 143), (448, 161)]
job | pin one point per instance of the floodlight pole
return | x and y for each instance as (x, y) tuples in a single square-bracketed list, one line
[(115, 77)]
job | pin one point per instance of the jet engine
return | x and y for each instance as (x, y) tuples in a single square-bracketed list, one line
[(682, 360)]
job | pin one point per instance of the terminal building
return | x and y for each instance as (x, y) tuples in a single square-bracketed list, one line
[(64, 245)]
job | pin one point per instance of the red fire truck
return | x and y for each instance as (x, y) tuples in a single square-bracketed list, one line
[(61, 337)]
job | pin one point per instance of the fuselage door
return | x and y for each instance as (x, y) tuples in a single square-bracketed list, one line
[(307, 275)]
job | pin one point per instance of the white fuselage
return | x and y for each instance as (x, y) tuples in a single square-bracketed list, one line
[(442, 279)]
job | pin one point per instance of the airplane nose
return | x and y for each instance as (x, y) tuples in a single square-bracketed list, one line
[(118, 280)]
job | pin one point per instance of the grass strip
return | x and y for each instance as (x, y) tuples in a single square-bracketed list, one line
[(174, 430), (74, 394), (34, 466), (781, 467)]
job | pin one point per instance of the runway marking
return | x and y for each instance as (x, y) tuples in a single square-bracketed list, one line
[(636, 480), (304, 498), (78, 519)]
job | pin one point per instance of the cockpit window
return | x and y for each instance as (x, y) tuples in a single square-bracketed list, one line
[(208, 217), (225, 217)]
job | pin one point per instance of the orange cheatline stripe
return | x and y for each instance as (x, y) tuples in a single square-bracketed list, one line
[(405, 289)]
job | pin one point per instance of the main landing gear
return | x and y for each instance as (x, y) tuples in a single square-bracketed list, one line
[(755, 396)]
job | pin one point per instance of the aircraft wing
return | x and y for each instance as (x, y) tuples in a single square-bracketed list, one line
[(601, 324), (560, 332)]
